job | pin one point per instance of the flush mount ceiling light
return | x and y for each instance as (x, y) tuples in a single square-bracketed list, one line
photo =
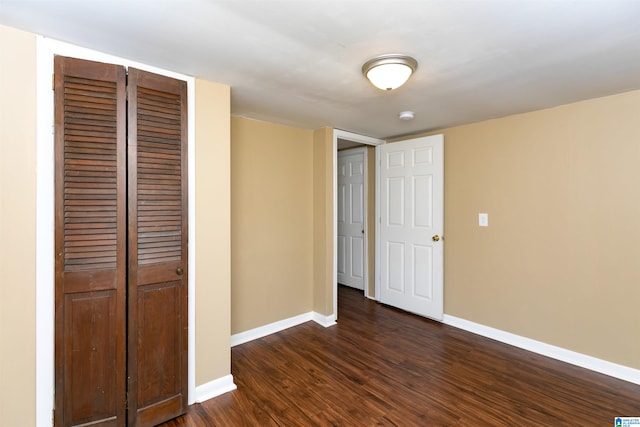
[(406, 115), (389, 72)]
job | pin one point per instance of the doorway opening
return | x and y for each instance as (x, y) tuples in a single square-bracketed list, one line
[(352, 211), (342, 141)]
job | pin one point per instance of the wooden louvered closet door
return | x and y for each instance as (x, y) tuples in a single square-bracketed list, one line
[(157, 248), (90, 243), (121, 294)]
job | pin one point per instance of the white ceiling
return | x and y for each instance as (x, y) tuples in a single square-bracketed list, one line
[(297, 62)]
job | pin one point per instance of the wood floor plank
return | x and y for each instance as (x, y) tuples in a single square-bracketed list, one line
[(383, 367)]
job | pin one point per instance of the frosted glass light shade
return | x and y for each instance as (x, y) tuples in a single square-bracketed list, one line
[(388, 72)]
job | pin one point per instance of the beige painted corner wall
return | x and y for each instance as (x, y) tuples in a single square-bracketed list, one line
[(17, 227), (323, 234), (559, 262), (272, 223), (213, 228)]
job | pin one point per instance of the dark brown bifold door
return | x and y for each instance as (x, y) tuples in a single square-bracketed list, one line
[(90, 243), (157, 168)]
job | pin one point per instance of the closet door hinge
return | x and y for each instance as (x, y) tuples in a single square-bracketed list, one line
[(53, 81)]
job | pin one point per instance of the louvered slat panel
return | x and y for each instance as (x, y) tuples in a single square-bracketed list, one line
[(89, 174), (159, 177)]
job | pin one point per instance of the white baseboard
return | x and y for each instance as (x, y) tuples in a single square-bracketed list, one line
[(281, 325), (214, 388), (271, 328), (323, 320), (598, 365)]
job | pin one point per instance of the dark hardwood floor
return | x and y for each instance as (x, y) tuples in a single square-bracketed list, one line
[(383, 367)]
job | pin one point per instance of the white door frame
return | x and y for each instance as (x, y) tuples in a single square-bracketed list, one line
[(365, 140)]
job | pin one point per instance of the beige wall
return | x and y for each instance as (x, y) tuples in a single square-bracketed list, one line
[(213, 227), (17, 227), (323, 233), (272, 223), (559, 262)]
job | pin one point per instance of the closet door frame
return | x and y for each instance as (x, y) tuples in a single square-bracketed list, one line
[(45, 194)]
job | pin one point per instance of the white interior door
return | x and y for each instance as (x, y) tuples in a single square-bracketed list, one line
[(410, 209), (351, 214)]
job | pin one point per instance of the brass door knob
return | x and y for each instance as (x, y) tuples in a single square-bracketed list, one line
[(435, 238), (179, 271)]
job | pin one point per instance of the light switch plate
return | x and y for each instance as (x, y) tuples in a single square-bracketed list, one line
[(483, 219)]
